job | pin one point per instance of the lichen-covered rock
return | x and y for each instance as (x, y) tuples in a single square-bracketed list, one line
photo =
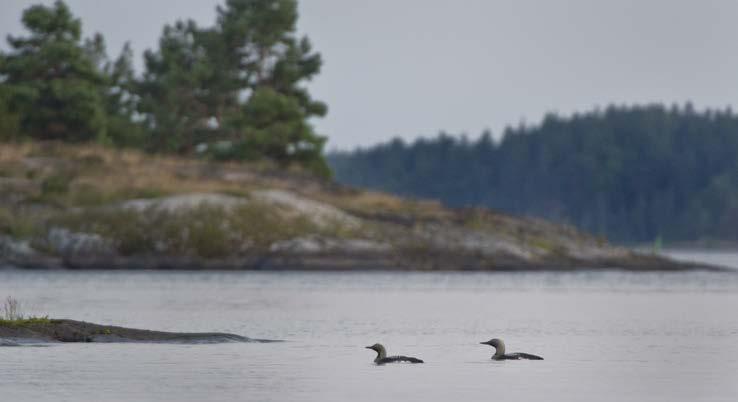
[(12, 249), (50, 330), (320, 213), (184, 201), (317, 244), (64, 242)]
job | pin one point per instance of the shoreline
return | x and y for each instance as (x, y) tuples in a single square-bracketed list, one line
[(134, 211), (357, 262)]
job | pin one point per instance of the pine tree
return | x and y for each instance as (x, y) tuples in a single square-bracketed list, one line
[(121, 101), (50, 80), (273, 64), (9, 119), (241, 82), (173, 89)]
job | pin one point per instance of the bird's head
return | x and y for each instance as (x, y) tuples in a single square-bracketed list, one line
[(494, 342), (381, 351), (376, 347)]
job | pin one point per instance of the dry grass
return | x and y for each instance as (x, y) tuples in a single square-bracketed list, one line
[(12, 309), (91, 175), (370, 203), (73, 175), (63, 169)]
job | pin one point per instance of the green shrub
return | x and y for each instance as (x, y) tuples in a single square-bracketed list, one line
[(56, 184), (207, 231), (86, 194), (18, 223), (91, 161)]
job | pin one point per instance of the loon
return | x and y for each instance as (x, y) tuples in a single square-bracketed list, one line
[(499, 346), (382, 356)]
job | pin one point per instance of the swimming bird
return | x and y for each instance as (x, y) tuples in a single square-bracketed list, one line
[(382, 356), (499, 346)]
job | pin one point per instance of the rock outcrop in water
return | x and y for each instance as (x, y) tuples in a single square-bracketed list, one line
[(81, 207), (79, 331)]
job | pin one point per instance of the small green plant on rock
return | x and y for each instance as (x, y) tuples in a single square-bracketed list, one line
[(56, 184), (18, 223), (12, 315)]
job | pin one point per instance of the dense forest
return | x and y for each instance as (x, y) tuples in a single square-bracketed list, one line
[(234, 90), (633, 174)]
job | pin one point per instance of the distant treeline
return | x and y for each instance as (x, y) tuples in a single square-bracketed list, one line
[(632, 174), (234, 90)]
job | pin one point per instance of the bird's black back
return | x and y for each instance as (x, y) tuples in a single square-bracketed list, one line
[(518, 356), (398, 359)]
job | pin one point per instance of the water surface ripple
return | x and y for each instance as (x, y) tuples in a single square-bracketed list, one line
[(607, 336)]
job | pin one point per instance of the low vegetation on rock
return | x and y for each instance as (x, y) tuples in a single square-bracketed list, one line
[(81, 206), (13, 315), (16, 326)]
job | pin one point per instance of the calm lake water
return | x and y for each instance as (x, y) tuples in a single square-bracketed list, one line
[(608, 336)]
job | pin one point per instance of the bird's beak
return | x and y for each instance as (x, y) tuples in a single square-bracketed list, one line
[(368, 347), (484, 343)]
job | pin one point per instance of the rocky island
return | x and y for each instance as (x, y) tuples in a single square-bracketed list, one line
[(13, 332), (91, 207)]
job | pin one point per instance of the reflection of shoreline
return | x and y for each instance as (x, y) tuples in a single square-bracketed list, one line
[(343, 260), (696, 245), (722, 257)]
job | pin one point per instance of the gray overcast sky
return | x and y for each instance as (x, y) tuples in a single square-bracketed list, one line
[(414, 67)]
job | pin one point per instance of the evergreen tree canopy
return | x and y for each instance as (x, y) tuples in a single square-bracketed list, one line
[(174, 91), (118, 92), (50, 80), (631, 173), (240, 82)]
